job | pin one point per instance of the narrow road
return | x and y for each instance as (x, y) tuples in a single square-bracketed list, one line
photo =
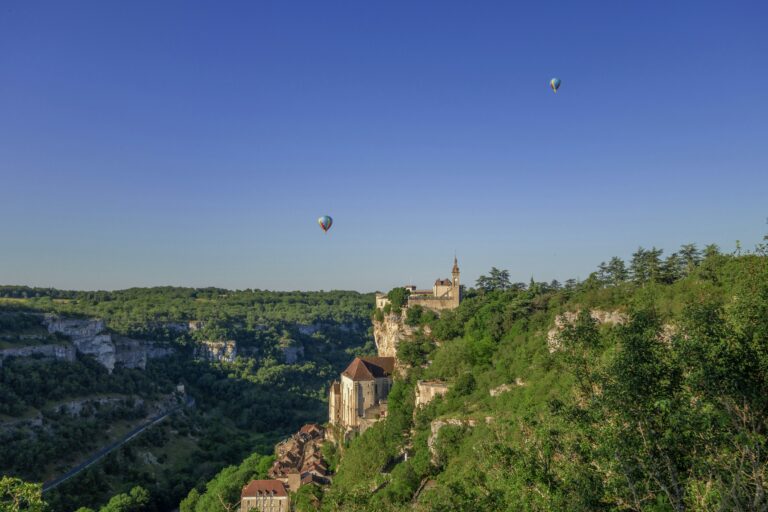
[(96, 457)]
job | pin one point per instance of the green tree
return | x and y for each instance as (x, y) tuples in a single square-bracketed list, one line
[(134, 501), (398, 297), (497, 280), (16, 495)]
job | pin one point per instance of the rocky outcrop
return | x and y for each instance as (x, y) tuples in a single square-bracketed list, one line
[(88, 336), (389, 333), (130, 353), (217, 351), (436, 425), (600, 316), (57, 351), (668, 331), (498, 390)]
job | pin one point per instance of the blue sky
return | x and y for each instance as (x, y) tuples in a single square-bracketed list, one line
[(196, 143)]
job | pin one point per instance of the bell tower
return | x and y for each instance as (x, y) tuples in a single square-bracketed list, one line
[(456, 288)]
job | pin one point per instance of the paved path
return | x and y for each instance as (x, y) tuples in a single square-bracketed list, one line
[(47, 486)]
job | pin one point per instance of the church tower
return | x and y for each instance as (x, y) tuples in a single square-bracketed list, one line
[(456, 288)]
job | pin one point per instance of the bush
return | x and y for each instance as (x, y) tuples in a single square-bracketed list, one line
[(398, 297)]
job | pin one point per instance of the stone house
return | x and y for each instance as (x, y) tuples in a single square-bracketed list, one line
[(265, 496), (359, 398)]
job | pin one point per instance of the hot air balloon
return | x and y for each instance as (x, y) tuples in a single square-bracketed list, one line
[(325, 223), (554, 84)]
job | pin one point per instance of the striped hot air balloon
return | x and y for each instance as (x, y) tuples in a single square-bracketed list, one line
[(325, 222), (554, 84)]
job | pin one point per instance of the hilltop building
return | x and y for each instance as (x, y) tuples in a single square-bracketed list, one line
[(359, 399), (265, 496), (445, 293)]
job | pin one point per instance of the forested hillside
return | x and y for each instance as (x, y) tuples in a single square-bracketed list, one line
[(651, 395), (55, 412)]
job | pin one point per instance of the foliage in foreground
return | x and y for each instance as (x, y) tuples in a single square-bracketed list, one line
[(666, 412)]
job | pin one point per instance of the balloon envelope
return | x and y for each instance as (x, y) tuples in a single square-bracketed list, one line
[(554, 84), (325, 223)]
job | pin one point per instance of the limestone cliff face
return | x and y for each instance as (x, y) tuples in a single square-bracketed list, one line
[(668, 331), (600, 316), (65, 352), (90, 337), (389, 333)]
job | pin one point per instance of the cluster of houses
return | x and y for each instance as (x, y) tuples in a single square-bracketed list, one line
[(298, 462)]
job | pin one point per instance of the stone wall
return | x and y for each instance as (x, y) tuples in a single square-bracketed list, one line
[(434, 303)]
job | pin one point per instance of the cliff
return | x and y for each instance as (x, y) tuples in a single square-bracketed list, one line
[(56, 351), (389, 333), (91, 337), (600, 316)]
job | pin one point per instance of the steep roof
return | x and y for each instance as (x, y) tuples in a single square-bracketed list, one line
[(443, 282), (380, 366), (369, 368), (264, 488), (357, 370)]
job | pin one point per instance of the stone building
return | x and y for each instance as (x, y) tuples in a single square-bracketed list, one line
[(359, 398), (445, 293), (427, 390), (265, 496)]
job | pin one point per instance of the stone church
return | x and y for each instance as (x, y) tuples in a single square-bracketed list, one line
[(359, 399)]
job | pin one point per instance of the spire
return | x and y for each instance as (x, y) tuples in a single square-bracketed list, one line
[(455, 266)]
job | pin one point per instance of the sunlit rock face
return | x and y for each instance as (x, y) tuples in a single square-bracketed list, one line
[(389, 333), (218, 351)]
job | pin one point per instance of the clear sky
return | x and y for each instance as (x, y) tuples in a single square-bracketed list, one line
[(196, 143)]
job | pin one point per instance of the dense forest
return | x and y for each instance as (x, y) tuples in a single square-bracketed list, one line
[(53, 413)]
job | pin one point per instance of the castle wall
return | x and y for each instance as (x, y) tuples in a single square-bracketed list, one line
[(441, 290), (434, 303)]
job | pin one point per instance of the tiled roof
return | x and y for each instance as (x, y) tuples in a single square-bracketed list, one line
[(357, 370), (369, 368), (264, 488), (380, 366)]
